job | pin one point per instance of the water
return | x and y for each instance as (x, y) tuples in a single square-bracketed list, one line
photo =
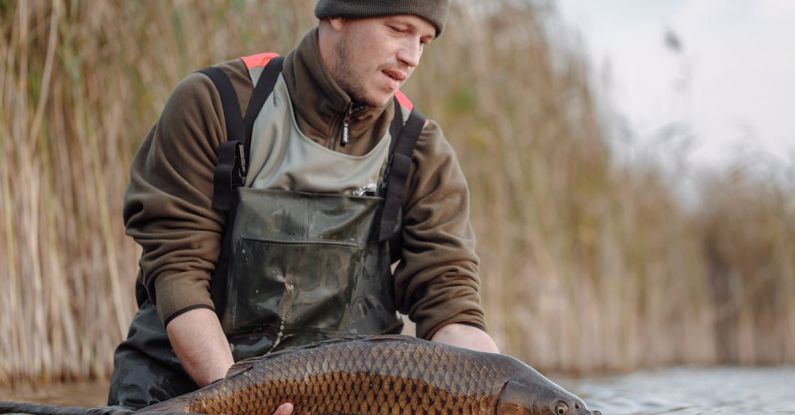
[(691, 391), (669, 391), (88, 394)]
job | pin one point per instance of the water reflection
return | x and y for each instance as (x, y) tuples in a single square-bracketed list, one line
[(88, 394), (692, 391)]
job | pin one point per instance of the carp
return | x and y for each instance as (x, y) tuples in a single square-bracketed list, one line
[(380, 375)]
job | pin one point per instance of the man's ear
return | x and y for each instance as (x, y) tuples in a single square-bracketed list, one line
[(337, 23)]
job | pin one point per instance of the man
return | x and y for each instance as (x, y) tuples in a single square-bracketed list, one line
[(295, 258)]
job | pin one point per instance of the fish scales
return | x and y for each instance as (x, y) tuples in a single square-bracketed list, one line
[(358, 377), (371, 375)]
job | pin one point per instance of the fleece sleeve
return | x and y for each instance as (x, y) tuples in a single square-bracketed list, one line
[(167, 206), (437, 281)]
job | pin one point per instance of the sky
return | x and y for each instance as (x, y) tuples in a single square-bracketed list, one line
[(728, 88)]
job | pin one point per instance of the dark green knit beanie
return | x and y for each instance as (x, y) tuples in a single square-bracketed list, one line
[(434, 11)]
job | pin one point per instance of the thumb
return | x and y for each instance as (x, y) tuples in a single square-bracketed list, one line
[(284, 409)]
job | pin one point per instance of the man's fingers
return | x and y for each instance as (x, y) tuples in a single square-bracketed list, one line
[(284, 409)]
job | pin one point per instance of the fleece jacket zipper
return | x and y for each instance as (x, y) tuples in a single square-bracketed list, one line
[(346, 125)]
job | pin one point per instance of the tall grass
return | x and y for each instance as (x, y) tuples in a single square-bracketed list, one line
[(81, 84), (748, 231), (588, 263), (581, 255)]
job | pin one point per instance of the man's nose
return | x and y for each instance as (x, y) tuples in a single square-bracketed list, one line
[(410, 53)]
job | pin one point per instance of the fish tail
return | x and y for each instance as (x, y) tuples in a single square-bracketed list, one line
[(38, 409)]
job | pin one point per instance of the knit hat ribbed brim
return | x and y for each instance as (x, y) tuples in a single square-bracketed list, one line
[(435, 11)]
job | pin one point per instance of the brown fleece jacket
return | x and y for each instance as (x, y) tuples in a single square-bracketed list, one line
[(167, 207)]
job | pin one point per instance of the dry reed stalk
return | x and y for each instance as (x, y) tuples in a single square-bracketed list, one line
[(568, 210)]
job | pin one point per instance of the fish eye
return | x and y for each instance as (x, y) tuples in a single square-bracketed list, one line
[(561, 408), (576, 405)]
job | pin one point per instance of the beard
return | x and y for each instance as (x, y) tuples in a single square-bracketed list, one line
[(346, 76)]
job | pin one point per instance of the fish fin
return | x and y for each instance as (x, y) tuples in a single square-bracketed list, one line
[(243, 366), (41, 409), (171, 406)]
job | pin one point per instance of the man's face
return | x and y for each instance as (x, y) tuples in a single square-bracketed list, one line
[(375, 56)]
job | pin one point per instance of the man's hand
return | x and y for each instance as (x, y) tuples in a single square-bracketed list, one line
[(284, 409), (200, 345), (468, 337), (202, 348)]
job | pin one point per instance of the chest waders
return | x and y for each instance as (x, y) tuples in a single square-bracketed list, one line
[(306, 252)]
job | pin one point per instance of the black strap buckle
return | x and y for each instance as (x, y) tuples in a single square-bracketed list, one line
[(230, 173)]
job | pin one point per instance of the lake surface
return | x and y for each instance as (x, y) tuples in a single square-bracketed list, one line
[(691, 391), (669, 391)]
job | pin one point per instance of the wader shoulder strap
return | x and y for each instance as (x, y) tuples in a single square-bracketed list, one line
[(230, 172), (267, 80), (398, 172)]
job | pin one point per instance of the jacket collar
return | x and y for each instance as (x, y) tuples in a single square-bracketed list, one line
[(320, 103)]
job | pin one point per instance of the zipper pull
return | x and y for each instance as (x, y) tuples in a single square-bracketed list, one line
[(346, 123)]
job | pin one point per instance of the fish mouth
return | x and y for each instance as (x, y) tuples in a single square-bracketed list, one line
[(581, 408), (574, 407)]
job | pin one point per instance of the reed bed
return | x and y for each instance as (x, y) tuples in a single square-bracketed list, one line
[(589, 263)]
